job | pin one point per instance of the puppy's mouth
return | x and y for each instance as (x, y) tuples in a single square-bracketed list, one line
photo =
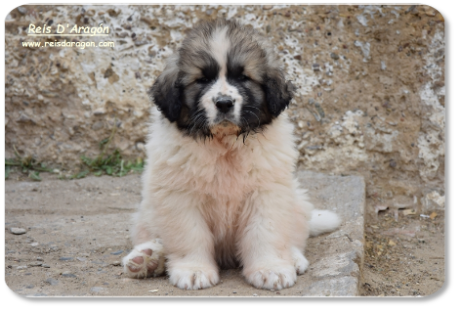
[(226, 123), (225, 127)]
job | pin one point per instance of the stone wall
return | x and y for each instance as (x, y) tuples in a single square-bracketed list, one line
[(370, 98)]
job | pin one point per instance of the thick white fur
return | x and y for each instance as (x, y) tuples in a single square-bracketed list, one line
[(223, 197), (323, 221)]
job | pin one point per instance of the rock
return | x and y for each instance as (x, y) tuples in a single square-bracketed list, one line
[(431, 13), (51, 281), (334, 56), (39, 259), (140, 146), (97, 125), (68, 274), (35, 264), (116, 263), (117, 253), (66, 258), (18, 231), (22, 10), (21, 267), (45, 265), (99, 112), (96, 289)]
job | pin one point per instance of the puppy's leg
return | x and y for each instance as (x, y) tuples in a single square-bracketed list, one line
[(189, 244), (266, 245), (300, 262), (147, 258)]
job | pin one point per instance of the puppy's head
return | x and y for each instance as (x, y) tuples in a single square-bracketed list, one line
[(225, 78)]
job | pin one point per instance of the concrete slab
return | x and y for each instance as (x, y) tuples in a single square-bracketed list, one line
[(78, 231)]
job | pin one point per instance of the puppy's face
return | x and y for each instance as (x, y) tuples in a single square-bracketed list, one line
[(222, 80)]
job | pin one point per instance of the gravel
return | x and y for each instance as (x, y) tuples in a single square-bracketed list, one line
[(18, 231), (51, 281)]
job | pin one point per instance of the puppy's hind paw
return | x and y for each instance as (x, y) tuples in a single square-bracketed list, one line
[(145, 260)]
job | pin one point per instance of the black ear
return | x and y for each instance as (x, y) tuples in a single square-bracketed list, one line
[(278, 92), (166, 92)]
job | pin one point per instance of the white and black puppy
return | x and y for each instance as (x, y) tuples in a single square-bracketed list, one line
[(219, 188)]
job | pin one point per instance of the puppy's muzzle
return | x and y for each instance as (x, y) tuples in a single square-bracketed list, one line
[(224, 103)]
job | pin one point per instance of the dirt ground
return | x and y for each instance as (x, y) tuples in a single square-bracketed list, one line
[(402, 258), (78, 231)]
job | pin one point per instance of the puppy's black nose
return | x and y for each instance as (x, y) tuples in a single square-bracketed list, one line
[(224, 105)]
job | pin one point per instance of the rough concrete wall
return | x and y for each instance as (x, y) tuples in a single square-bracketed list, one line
[(370, 98)]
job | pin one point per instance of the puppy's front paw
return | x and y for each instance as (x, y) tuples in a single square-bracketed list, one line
[(275, 278), (145, 260), (197, 277)]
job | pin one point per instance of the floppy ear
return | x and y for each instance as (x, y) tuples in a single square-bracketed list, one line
[(166, 92), (278, 92)]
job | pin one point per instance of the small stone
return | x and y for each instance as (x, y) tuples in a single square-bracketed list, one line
[(97, 289), (116, 263), (39, 259), (66, 258), (122, 34), (99, 112), (45, 265), (393, 163), (21, 267), (139, 43), (108, 73), (18, 231), (411, 9), (51, 281), (140, 146), (34, 244), (22, 10), (431, 13), (234, 291), (68, 274), (30, 286), (97, 125), (117, 253), (334, 56), (298, 57), (316, 67), (35, 264)]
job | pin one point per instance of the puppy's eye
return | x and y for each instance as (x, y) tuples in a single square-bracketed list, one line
[(243, 78), (203, 80)]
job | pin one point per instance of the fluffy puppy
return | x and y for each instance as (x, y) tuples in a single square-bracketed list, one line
[(219, 188)]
